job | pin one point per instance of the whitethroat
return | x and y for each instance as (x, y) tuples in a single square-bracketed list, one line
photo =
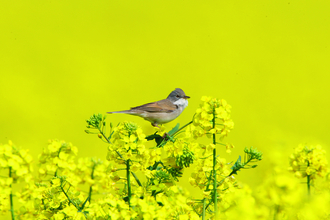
[(162, 111)]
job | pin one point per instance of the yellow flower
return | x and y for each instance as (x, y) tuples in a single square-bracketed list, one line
[(70, 211), (210, 111), (308, 161), (229, 147)]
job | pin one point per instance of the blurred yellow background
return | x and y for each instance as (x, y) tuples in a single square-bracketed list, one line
[(62, 61)]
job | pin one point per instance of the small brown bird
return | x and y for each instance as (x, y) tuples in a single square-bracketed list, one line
[(162, 111)]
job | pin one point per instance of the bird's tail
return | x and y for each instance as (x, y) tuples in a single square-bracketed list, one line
[(121, 112)]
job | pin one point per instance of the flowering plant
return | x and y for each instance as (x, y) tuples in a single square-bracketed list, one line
[(139, 178)]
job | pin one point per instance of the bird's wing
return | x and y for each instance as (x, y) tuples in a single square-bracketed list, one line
[(164, 105)]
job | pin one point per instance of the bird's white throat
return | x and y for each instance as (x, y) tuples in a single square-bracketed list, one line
[(181, 103)]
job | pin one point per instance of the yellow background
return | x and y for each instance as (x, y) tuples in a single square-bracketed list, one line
[(62, 61)]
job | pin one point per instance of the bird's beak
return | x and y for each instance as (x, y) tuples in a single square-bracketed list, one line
[(186, 97)]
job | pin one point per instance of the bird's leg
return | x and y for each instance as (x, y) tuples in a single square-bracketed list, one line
[(155, 125), (166, 135)]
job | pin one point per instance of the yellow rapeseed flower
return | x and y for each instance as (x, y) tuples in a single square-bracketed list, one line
[(308, 161)]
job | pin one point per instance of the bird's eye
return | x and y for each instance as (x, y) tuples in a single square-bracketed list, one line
[(177, 96)]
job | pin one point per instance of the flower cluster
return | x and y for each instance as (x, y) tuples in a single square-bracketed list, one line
[(180, 153), (58, 158), (111, 206), (128, 143), (60, 200), (171, 203), (212, 174), (308, 161), (200, 177), (212, 117), (238, 202), (17, 160), (281, 191), (98, 174), (15, 167), (61, 197)]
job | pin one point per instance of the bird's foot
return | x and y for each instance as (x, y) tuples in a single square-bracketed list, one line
[(155, 125), (166, 136)]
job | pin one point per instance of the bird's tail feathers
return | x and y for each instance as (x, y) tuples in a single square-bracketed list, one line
[(121, 112)]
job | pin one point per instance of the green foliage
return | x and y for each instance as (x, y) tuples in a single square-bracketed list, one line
[(251, 155), (96, 121), (186, 158)]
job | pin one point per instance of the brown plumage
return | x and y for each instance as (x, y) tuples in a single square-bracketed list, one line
[(162, 111)]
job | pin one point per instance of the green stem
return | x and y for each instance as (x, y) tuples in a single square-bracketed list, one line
[(11, 198), (308, 181), (309, 184), (214, 171), (107, 139), (67, 196), (129, 193), (276, 211), (91, 187), (137, 179), (183, 127), (58, 155), (164, 141), (204, 204)]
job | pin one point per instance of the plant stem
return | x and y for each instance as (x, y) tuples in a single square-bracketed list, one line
[(276, 211), (11, 199), (214, 171), (91, 188), (136, 179), (129, 193), (67, 196), (309, 184), (204, 204), (107, 139), (308, 181), (183, 127)]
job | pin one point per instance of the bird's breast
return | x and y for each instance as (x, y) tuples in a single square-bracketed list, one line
[(162, 117), (183, 103)]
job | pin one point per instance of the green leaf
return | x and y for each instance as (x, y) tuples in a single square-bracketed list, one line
[(237, 166), (175, 129), (155, 137)]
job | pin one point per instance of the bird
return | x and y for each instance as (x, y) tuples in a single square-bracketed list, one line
[(162, 111)]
